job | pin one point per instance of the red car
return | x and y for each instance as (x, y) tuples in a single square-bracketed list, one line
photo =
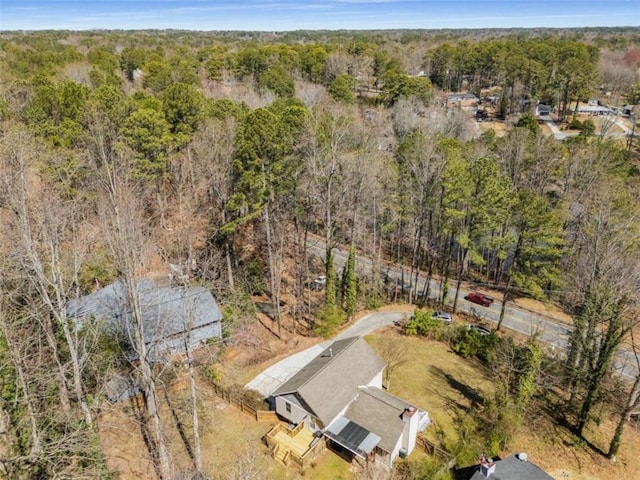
[(479, 298)]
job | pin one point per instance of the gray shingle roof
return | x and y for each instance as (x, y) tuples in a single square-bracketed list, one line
[(380, 413), (331, 380), (511, 468), (167, 313)]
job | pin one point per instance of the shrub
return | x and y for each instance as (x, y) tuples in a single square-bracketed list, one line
[(330, 317), (422, 323), (588, 128), (250, 397), (528, 121), (469, 343), (575, 124)]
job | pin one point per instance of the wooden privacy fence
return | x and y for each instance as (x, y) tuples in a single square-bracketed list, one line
[(261, 416), (433, 449)]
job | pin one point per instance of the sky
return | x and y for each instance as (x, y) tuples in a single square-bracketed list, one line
[(282, 15)]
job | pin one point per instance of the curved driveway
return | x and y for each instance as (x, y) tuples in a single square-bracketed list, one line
[(270, 379), (551, 332)]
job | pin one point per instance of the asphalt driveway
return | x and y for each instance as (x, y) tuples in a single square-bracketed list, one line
[(270, 379)]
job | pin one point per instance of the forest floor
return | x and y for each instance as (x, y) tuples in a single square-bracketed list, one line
[(231, 440)]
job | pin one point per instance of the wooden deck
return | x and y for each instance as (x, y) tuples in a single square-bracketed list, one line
[(293, 447), (297, 444)]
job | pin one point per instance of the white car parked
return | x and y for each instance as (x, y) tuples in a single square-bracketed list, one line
[(443, 316)]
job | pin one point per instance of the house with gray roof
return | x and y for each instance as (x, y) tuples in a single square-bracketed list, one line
[(463, 100), (514, 467), (173, 318), (339, 395)]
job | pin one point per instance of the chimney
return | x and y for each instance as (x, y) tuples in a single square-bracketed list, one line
[(487, 466), (330, 352), (411, 418)]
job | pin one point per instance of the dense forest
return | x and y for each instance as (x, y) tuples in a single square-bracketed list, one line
[(224, 153)]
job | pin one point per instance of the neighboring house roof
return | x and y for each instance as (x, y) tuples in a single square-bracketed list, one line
[(593, 109), (331, 380), (380, 413), (457, 97), (168, 314), (543, 109), (510, 468)]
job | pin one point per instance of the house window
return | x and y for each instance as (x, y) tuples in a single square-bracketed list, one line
[(287, 407)]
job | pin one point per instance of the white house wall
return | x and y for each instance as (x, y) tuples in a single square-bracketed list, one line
[(410, 432), (376, 381), (396, 451)]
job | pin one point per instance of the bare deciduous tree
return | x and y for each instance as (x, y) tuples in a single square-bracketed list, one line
[(128, 238)]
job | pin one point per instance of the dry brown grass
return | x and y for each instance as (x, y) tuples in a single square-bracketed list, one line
[(497, 126), (228, 436)]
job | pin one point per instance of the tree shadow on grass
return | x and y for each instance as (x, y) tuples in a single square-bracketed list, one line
[(576, 440), (470, 393)]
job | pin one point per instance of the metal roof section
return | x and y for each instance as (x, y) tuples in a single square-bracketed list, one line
[(171, 316), (353, 437)]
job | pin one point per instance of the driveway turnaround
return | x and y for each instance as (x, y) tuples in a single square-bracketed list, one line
[(270, 379)]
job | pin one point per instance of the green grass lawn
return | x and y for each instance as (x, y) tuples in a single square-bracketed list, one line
[(434, 379)]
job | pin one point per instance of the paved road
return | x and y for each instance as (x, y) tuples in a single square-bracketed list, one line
[(270, 379), (552, 332), (519, 320)]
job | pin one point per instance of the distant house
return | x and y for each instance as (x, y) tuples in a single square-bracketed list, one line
[(593, 108), (514, 467), (339, 395), (462, 100), (543, 110), (173, 318)]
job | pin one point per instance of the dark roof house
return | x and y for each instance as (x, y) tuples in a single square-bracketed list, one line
[(379, 412), (172, 317), (339, 393), (543, 110), (514, 467)]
